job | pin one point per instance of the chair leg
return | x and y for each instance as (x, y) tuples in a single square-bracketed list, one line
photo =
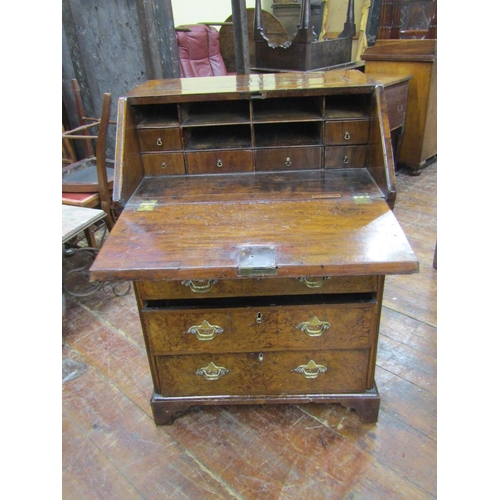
[(90, 236)]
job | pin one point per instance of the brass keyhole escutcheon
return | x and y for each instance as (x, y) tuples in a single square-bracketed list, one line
[(219, 164), (288, 162), (347, 136), (159, 142), (346, 159), (259, 318), (261, 357)]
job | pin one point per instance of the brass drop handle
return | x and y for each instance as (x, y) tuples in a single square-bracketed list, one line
[(314, 327), (159, 142), (347, 135), (212, 371), (346, 159), (311, 370), (204, 288), (219, 163), (288, 162), (314, 283), (205, 331), (163, 165)]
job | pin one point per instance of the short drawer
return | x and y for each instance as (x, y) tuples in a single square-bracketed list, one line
[(261, 326), (345, 156), (160, 139), (223, 161), (292, 158), (264, 373), (163, 164), (346, 132), (396, 98), (192, 289)]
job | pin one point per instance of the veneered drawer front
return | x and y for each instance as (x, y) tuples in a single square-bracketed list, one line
[(315, 326), (163, 164), (396, 98), (223, 161), (157, 290), (299, 372), (160, 139), (346, 132), (288, 158), (345, 156)]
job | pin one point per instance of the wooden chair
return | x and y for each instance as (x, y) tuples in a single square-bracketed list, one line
[(89, 182)]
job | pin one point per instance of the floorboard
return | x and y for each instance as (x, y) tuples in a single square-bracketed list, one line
[(113, 450)]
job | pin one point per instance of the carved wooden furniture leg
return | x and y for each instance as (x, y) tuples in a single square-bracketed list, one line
[(367, 408), (166, 413)]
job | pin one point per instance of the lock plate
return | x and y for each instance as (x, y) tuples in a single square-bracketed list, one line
[(257, 260)]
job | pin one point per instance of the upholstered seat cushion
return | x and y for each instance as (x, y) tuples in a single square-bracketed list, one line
[(199, 51)]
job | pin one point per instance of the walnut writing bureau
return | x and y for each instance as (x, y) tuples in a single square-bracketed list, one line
[(257, 229)]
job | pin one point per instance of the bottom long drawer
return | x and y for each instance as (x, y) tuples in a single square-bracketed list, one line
[(269, 373)]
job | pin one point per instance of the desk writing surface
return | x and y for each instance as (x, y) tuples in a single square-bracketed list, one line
[(318, 222)]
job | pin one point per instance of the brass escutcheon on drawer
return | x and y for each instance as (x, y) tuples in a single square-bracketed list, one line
[(311, 370), (314, 327), (205, 331), (205, 287), (212, 371)]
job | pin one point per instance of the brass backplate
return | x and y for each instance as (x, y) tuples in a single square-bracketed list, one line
[(256, 260)]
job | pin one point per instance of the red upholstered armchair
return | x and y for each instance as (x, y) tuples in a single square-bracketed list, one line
[(199, 51)]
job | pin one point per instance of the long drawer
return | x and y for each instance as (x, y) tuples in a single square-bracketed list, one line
[(239, 329), (192, 289), (264, 373)]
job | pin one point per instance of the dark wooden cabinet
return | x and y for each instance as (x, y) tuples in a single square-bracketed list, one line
[(259, 268)]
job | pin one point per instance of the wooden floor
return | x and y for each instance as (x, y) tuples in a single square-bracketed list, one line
[(113, 450)]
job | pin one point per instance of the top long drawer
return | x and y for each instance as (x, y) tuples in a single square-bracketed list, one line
[(191, 289)]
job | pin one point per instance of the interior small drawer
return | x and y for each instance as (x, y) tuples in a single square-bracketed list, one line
[(328, 325), (163, 164), (264, 373), (346, 132), (289, 158), (396, 98), (222, 161), (345, 156), (194, 289), (160, 139)]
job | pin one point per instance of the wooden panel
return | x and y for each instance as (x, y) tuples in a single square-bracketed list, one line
[(346, 372), (287, 159), (345, 156), (201, 241), (349, 326), (211, 162), (396, 97), (346, 133), (163, 164), (250, 287)]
